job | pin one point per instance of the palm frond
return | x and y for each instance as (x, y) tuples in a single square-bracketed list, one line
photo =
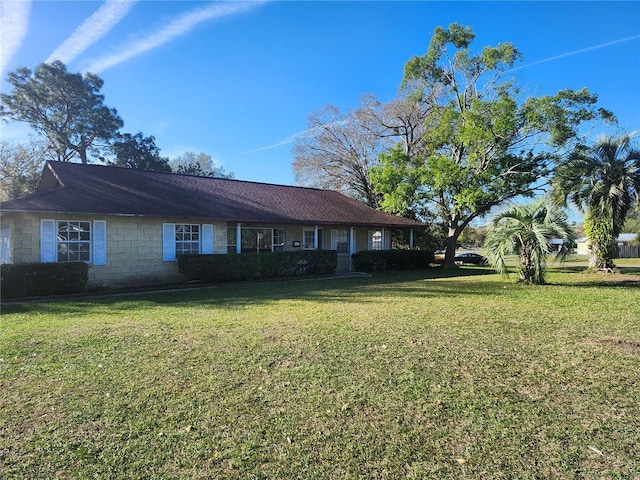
[(526, 230)]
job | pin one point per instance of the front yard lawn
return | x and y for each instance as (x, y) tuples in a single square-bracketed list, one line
[(406, 375)]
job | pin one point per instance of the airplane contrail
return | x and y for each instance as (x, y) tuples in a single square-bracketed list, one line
[(545, 60), (286, 141), (577, 52), (15, 20), (92, 29), (175, 28)]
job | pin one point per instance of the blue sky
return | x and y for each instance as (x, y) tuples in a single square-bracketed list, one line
[(238, 80)]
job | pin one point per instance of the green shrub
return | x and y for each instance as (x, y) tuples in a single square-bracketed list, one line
[(254, 266), (42, 279), (380, 260)]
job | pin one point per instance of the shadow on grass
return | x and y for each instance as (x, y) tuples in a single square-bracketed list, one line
[(364, 289), (572, 268), (602, 280)]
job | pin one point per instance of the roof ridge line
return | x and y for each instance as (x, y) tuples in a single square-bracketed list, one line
[(55, 162)]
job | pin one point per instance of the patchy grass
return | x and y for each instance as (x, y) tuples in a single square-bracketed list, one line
[(408, 375)]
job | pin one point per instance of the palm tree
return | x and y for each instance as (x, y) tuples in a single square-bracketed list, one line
[(526, 230), (603, 181)]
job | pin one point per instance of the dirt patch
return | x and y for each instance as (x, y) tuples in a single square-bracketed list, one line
[(620, 343), (620, 279)]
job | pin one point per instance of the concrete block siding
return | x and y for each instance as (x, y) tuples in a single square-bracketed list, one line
[(134, 246)]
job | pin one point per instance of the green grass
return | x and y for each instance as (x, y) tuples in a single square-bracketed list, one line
[(407, 375)]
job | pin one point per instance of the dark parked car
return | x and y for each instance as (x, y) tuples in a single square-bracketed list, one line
[(474, 258)]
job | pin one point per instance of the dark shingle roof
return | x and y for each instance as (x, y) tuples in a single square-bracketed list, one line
[(72, 188)]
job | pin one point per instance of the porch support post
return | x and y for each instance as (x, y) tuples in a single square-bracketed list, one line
[(383, 239), (238, 238), (411, 239), (315, 237)]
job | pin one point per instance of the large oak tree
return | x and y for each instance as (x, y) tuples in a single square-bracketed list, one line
[(482, 144)]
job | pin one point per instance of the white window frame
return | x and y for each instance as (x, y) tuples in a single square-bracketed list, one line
[(340, 241), (305, 245), (170, 241), (76, 241), (188, 237), (50, 241), (278, 240), (376, 243)]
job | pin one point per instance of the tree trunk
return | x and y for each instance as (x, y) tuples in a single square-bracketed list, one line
[(83, 151), (601, 257), (452, 242), (601, 236), (527, 270), (593, 257)]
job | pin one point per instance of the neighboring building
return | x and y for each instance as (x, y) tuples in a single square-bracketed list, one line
[(556, 245), (623, 240), (131, 225), (626, 239)]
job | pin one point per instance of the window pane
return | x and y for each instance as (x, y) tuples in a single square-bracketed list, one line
[(74, 241), (63, 231), (278, 239), (308, 239), (231, 236), (249, 240), (340, 241), (187, 239), (375, 240), (265, 237)]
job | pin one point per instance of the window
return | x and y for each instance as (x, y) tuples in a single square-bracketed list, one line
[(262, 240), (187, 239), (340, 241), (278, 239), (308, 239), (231, 239), (74, 241), (375, 240)]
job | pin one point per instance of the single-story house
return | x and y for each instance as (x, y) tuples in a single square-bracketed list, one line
[(623, 240), (131, 225)]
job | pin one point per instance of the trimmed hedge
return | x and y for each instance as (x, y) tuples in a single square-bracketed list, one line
[(42, 279), (379, 260), (254, 266)]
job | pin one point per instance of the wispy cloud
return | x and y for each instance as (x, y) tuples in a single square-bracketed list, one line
[(578, 52), (292, 138), (305, 133), (281, 143), (174, 29), (92, 29), (15, 21)]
